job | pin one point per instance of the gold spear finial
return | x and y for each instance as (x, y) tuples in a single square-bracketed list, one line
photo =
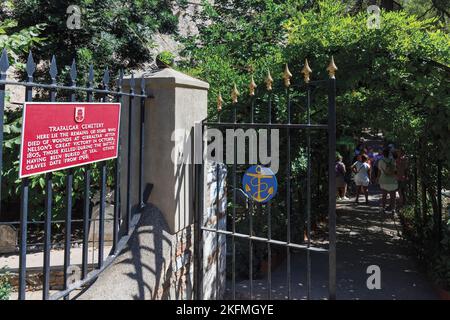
[(235, 94), (306, 71), (219, 102), (287, 75), (332, 68), (269, 81), (253, 86)]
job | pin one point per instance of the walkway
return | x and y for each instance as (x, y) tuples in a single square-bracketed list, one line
[(365, 237)]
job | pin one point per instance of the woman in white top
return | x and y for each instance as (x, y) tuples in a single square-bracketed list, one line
[(362, 180)]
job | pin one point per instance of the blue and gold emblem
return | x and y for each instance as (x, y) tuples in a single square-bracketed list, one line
[(260, 183)]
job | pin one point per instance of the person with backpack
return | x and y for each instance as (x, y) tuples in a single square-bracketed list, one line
[(387, 180)]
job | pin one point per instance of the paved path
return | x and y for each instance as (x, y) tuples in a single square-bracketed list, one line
[(365, 237)]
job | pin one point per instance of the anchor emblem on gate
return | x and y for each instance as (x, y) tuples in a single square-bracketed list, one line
[(260, 183)]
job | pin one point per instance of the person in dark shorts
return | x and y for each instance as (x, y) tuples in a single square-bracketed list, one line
[(341, 184)]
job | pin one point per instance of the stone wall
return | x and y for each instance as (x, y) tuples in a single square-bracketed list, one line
[(155, 265), (213, 244), (158, 262)]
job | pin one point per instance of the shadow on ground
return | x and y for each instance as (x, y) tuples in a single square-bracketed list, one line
[(365, 237)]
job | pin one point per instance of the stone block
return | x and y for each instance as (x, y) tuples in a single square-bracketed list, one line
[(8, 239)]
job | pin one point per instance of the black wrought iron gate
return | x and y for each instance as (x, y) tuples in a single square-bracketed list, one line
[(103, 176), (241, 243)]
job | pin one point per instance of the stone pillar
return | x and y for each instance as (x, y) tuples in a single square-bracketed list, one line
[(179, 101)]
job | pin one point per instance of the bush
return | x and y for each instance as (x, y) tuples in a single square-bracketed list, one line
[(420, 232), (165, 58), (5, 285)]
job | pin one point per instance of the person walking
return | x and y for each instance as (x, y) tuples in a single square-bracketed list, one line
[(362, 177), (387, 180), (341, 184), (377, 156)]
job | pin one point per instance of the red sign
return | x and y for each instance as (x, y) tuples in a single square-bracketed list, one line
[(62, 135)]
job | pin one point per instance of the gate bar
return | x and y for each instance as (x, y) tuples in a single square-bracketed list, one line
[(117, 213), (48, 203), (87, 191), (86, 213), (267, 125), (30, 67), (288, 196), (217, 228), (233, 240), (69, 186), (269, 203), (308, 195), (4, 65), (141, 146), (102, 165), (199, 182), (332, 185), (68, 228), (50, 86), (130, 141), (266, 240)]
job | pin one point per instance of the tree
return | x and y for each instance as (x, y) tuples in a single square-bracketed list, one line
[(424, 9), (394, 78), (114, 34), (18, 40)]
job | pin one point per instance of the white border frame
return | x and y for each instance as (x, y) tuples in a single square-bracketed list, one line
[(21, 176)]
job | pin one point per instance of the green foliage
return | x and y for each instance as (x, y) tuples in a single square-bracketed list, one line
[(5, 285), (237, 38), (18, 40), (429, 9), (420, 232), (394, 79), (114, 34), (441, 263), (18, 43), (389, 73), (166, 57)]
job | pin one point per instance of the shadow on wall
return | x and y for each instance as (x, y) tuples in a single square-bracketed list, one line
[(147, 269)]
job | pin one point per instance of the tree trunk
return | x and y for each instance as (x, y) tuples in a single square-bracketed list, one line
[(387, 5), (424, 203)]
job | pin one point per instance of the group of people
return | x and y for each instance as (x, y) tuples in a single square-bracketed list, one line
[(388, 169)]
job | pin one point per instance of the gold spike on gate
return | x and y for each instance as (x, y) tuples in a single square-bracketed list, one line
[(269, 81), (235, 94), (252, 87), (219, 102), (332, 68), (287, 75), (306, 71)]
